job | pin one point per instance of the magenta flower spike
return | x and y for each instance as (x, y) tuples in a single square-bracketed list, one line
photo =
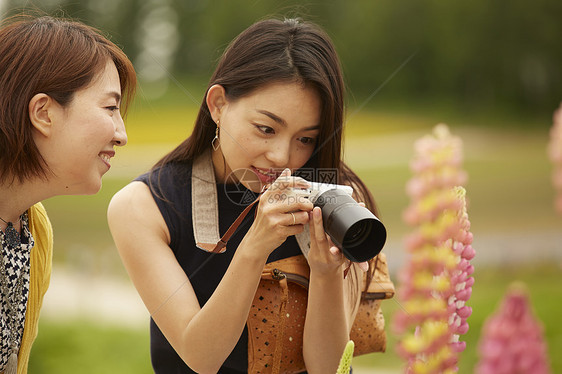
[(512, 339), (436, 282), (555, 155)]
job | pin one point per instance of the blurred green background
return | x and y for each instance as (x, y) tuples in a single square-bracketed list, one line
[(490, 70)]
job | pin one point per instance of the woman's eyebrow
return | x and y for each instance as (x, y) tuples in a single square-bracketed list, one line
[(273, 116), (114, 94), (281, 121)]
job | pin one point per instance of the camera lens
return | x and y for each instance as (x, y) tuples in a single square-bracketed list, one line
[(357, 234), (353, 228)]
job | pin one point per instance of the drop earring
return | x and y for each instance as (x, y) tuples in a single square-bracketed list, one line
[(215, 143)]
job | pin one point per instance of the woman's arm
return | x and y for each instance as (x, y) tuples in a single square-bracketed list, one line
[(332, 302), (142, 239), (203, 337)]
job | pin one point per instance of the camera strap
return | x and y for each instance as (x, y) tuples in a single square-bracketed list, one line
[(204, 203), (205, 210)]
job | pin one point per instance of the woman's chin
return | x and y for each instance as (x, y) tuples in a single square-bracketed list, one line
[(247, 178), (83, 189), (254, 186)]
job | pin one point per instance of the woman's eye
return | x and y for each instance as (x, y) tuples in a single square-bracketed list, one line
[(307, 140), (112, 108), (265, 129)]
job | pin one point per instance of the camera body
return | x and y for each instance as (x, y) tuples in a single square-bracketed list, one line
[(353, 228), (316, 189)]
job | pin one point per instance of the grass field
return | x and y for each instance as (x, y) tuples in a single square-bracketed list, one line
[(87, 347), (510, 200)]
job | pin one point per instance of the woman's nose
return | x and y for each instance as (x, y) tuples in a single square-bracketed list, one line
[(279, 154), (120, 137)]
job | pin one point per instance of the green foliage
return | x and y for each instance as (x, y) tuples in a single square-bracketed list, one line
[(86, 347), (477, 55)]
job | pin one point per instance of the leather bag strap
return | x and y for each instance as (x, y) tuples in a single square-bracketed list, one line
[(221, 244)]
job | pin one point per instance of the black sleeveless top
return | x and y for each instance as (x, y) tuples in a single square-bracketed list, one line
[(171, 188)]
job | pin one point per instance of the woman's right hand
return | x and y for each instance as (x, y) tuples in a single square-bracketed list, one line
[(280, 214)]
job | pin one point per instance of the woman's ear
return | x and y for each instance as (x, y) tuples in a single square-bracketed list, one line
[(216, 101), (39, 107)]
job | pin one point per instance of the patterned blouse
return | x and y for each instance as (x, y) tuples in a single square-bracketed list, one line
[(14, 288)]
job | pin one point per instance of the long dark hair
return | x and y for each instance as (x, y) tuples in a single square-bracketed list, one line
[(281, 51)]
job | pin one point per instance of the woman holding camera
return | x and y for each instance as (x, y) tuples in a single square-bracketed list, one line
[(273, 107), (61, 87)]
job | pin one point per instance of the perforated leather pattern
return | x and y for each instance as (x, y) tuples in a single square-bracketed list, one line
[(273, 322), (367, 331), (264, 328)]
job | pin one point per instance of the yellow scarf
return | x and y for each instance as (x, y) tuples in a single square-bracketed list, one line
[(41, 264)]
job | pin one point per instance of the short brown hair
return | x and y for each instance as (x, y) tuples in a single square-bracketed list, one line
[(47, 55)]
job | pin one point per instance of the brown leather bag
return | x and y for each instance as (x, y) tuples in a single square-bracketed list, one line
[(367, 331), (276, 320)]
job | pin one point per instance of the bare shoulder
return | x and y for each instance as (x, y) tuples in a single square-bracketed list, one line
[(133, 209), (134, 193), (133, 199)]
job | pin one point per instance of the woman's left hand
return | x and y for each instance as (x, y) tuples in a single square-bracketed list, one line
[(325, 256)]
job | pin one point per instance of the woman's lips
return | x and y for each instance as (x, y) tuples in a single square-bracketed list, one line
[(106, 157), (265, 176)]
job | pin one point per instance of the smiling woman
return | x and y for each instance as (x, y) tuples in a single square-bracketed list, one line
[(62, 85), (273, 108), (91, 127)]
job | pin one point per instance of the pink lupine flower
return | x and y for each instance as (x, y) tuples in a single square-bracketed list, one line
[(512, 339), (436, 282), (436, 163), (555, 155)]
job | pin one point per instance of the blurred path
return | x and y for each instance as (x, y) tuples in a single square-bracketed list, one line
[(99, 298), (501, 249), (106, 300), (113, 300)]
